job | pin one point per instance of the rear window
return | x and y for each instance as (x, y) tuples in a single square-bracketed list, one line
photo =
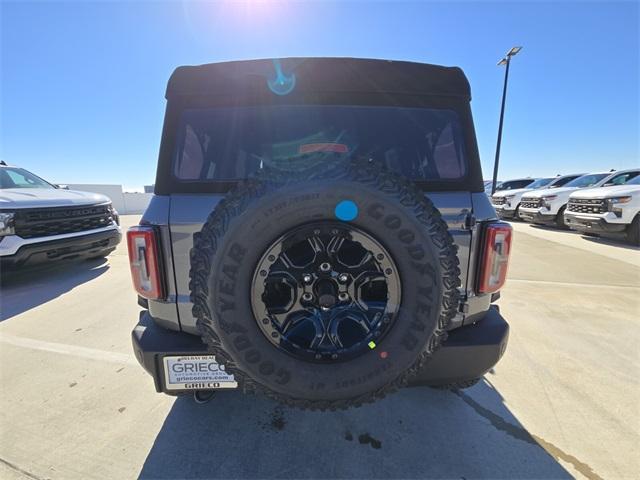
[(226, 144)]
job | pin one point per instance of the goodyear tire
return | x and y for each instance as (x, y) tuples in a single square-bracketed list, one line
[(228, 258)]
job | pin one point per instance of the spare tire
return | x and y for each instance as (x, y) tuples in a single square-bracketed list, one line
[(324, 290)]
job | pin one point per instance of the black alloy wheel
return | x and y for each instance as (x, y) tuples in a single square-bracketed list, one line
[(326, 292)]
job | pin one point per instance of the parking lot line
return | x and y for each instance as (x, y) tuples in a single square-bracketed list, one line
[(64, 349)]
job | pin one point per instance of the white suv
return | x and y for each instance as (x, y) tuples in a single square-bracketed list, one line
[(41, 222), (547, 206), (611, 210), (507, 202)]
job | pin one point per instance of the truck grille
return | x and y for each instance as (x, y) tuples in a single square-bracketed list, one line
[(43, 222), (530, 202), (586, 205), (497, 200)]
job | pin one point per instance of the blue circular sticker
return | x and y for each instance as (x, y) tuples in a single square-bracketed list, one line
[(346, 210)]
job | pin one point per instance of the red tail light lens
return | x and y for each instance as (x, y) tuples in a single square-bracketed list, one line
[(144, 262), (495, 257)]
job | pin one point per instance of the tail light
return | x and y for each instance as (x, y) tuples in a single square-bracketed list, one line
[(145, 262), (495, 257)]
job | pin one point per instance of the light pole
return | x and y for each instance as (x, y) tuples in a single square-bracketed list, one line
[(505, 61)]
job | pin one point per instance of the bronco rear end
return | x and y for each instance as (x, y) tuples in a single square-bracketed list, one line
[(319, 233)]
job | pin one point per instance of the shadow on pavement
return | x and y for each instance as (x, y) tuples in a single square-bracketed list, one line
[(614, 242), (416, 433), (25, 289)]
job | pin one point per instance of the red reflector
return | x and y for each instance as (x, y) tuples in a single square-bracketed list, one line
[(495, 257), (323, 147), (143, 260)]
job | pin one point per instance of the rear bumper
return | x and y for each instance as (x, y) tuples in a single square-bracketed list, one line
[(468, 353), (75, 247), (593, 224)]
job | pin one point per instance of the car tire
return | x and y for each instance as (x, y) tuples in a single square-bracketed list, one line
[(633, 231), (516, 214), (560, 223), (227, 264)]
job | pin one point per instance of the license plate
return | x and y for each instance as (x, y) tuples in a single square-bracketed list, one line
[(196, 372)]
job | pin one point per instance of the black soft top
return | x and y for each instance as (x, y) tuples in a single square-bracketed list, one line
[(320, 75)]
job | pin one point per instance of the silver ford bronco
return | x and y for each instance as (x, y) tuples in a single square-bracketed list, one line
[(319, 233)]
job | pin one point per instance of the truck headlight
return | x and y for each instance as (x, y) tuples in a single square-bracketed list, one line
[(614, 204), (546, 201), (6, 224)]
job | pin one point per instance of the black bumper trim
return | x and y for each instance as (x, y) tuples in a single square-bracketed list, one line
[(468, 353), (82, 246), (598, 225), (538, 218), (506, 214)]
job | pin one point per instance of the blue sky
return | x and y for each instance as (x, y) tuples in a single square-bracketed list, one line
[(82, 83)]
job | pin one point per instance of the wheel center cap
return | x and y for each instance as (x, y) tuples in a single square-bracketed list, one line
[(327, 292)]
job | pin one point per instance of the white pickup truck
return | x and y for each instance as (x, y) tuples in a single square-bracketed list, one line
[(547, 206), (41, 222), (611, 211), (507, 202)]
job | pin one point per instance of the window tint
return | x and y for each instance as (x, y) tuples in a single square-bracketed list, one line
[(541, 182), (563, 181), (587, 180), (19, 178), (514, 184), (232, 143), (634, 181), (621, 179)]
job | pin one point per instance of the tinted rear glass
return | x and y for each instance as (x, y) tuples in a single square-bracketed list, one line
[(222, 144)]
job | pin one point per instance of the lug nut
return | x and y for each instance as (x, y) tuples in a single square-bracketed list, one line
[(307, 297), (343, 296), (325, 267), (306, 278), (343, 278)]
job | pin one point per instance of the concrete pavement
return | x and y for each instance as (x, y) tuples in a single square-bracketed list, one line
[(562, 402)]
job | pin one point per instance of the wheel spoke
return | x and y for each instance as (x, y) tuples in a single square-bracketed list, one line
[(316, 244), (334, 246)]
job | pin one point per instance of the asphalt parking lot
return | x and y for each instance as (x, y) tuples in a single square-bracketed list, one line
[(562, 403)]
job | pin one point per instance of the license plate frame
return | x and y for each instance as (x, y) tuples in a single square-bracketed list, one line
[(195, 372)]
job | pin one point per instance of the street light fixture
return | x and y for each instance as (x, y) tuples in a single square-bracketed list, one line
[(504, 61)]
